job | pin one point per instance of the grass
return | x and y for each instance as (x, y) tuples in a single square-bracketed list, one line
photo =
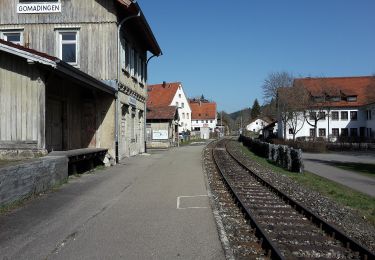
[(343, 195)]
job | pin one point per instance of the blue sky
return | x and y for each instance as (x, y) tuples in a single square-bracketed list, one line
[(225, 49)]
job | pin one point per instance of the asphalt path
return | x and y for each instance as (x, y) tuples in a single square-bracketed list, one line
[(323, 165), (147, 207)]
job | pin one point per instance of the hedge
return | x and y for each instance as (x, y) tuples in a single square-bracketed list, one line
[(282, 155)]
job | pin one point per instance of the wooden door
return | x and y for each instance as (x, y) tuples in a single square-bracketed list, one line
[(54, 125)]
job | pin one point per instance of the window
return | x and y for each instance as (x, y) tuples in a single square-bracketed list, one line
[(290, 131), (183, 115), (352, 99), (335, 115), (197, 121), (187, 115), (344, 132), (335, 99), (206, 121), (312, 116), (322, 132), (127, 56), (179, 95), (344, 115), (210, 121), (353, 132), (353, 115), (182, 105), (335, 132), (176, 104), (135, 58), (368, 114), (202, 121), (68, 46), (322, 115), (312, 132), (12, 36)]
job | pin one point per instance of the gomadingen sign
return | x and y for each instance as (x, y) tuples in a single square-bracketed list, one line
[(32, 7)]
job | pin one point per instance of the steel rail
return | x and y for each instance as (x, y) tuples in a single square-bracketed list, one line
[(265, 241), (330, 229)]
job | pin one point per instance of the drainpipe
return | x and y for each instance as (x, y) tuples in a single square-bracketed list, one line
[(119, 27), (145, 113)]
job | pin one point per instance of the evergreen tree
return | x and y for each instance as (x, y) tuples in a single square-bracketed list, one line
[(255, 110)]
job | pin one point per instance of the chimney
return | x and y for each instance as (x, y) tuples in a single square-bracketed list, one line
[(164, 84)]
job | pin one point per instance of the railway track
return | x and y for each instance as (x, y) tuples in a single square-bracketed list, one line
[(284, 228)]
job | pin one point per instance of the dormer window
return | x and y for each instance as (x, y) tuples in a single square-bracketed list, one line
[(351, 98), (335, 99)]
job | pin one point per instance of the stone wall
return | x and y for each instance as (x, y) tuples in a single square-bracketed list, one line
[(21, 180)]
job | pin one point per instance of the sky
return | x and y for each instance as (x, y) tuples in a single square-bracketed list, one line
[(226, 49)]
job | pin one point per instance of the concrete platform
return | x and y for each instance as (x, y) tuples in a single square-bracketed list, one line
[(148, 207)]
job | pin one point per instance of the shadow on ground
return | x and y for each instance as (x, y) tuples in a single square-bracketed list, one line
[(366, 168)]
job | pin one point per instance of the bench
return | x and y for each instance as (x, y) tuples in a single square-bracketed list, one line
[(81, 160)]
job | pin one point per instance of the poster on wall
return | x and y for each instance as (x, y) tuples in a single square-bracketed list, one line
[(38, 6), (160, 134)]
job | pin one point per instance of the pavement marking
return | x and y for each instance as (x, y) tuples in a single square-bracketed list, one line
[(195, 196)]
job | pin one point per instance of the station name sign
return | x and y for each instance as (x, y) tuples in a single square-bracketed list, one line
[(37, 7)]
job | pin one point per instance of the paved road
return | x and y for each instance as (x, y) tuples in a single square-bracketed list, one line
[(125, 212), (320, 164)]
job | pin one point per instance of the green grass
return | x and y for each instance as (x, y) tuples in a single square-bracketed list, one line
[(343, 195)]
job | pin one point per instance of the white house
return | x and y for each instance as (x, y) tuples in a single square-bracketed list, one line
[(258, 124), (203, 115), (345, 107), (171, 94)]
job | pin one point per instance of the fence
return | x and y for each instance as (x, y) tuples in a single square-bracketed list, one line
[(282, 155)]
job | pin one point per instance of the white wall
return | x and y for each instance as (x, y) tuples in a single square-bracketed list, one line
[(257, 125), (184, 110), (305, 131), (210, 123)]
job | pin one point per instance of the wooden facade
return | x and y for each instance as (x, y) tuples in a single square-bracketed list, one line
[(96, 23)]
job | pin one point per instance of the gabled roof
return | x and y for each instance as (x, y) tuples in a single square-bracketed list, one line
[(361, 87), (264, 118), (33, 56), (202, 110), (131, 7), (166, 113), (161, 95)]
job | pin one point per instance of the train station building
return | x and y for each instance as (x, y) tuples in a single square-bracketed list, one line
[(105, 41)]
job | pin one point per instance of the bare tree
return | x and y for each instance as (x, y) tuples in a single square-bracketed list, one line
[(273, 82), (291, 104)]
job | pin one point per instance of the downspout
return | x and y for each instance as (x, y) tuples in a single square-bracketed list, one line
[(145, 130), (119, 27)]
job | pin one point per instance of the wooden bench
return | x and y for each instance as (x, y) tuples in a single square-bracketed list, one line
[(81, 160)]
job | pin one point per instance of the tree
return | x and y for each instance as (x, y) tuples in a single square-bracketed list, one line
[(291, 105), (273, 82), (255, 109)]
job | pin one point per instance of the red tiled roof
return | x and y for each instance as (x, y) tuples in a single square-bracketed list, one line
[(361, 87), (160, 95), (32, 51), (202, 110), (167, 112)]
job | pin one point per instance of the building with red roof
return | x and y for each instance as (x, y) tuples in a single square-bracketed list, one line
[(171, 94), (345, 106), (204, 115), (162, 126)]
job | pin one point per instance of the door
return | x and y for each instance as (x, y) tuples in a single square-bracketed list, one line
[(54, 125)]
